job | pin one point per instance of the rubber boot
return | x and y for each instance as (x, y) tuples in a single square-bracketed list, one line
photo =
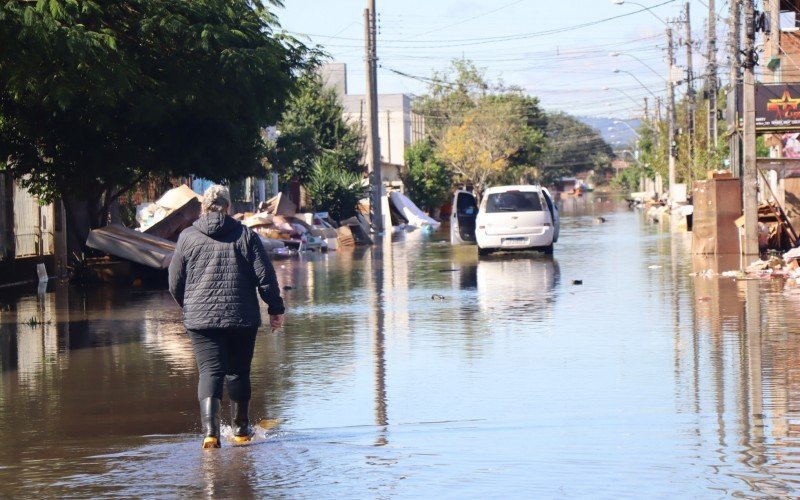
[(209, 418), (242, 432)]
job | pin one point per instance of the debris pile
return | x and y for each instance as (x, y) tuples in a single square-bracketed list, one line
[(771, 266), (176, 210), (283, 231)]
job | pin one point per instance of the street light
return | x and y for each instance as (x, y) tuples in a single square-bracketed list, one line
[(644, 7), (617, 54), (618, 122), (635, 101), (639, 81), (632, 156)]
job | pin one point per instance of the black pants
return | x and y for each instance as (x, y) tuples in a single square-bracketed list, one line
[(224, 355)]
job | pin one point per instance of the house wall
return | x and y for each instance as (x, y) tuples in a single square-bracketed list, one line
[(783, 42)]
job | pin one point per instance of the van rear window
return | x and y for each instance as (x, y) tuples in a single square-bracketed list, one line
[(514, 201)]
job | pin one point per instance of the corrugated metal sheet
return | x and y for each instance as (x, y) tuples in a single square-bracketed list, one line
[(33, 225)]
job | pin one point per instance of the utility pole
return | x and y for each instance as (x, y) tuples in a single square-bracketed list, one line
[(690, 96), (732, 109), (646, 111), (711, 77), (373, 146), (749, 179), (657, 111), (671, 116)]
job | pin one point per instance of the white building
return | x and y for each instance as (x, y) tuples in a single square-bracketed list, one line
[(398, 126)]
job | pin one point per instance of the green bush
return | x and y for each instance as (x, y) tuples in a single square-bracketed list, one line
[(334, 189), (427, 182)]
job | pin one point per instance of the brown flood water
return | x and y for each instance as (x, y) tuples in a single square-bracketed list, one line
[(644, 381)]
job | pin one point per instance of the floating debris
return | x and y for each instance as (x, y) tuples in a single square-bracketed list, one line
[(577, 282), (436, 296), (32, 322)]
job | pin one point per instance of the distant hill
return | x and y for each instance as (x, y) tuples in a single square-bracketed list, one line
[(616, 134)]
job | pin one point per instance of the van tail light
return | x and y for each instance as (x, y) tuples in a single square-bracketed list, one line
[(547, 224), (481, 227)]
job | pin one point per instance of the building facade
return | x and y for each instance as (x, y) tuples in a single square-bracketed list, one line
[(398, 125)]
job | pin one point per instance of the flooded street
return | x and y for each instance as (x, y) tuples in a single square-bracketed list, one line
[(415, 369)]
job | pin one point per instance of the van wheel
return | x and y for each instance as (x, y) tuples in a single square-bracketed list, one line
[(548, 250), (484, 251)]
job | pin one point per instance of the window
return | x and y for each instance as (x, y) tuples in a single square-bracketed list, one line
[(466, 204), (788, 15), (514, 201)]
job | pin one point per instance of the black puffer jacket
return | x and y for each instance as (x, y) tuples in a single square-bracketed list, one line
[(217, 266)]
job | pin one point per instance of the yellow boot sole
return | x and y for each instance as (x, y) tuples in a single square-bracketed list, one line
[(242, 439), (210, 442)]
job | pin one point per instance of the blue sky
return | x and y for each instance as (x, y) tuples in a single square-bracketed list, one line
[(557, 50)]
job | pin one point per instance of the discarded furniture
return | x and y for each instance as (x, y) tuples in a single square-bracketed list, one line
[(410, 211), (359, 230), (280, 204), (717, 205), (176, 210), (131, 245)]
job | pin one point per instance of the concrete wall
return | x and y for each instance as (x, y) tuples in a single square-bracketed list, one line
[(394, 126)]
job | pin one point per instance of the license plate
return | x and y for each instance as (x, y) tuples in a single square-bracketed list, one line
[(515, 240)]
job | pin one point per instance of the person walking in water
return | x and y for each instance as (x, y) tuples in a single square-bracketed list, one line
[(215, 271)]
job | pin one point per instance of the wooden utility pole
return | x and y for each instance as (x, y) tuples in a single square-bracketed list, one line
[(657, 111), (373, 145), (749, 179), (671, 115), (690, 95), (646, 111), (711, 77)]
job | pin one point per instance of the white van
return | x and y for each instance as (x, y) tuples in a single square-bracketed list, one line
[(509, 218)]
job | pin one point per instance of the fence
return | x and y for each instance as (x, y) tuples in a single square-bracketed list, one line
[(33, 225)]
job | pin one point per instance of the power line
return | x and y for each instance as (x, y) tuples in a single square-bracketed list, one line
[(463, 42)]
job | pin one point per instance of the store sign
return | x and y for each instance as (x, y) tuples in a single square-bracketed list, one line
[(777, 107)]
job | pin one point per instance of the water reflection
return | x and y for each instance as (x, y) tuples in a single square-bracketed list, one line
[(520, 285), (413, 368), (745, 375)]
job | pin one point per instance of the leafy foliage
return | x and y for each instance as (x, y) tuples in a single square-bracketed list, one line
[(450, 95), (312, 126), (425, 178), (333, 188), (97, 95), (572, 147), (484, 143), (484, 132)]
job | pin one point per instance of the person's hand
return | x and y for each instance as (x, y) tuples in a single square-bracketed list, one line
[(275, 321)]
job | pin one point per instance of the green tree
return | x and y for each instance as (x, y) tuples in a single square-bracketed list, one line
[(312, 126), (482, 147), (95, 96), (425, 178), (572, 147), (486, 132), (333, 188), (450, 95)]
